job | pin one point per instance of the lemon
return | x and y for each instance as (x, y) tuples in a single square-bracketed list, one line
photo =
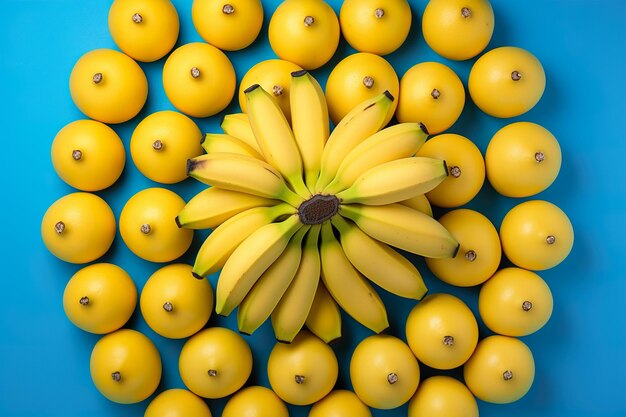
[(228, 24), (442, 396), (375, 26), (108, 86), (78, 228), (305, 32), (340, 403), (162, 143), (88, 155), (125, 366), (145, 30), (356, 78), (100, 298), (199, 79), (255, 401), (177, 403), (148, 226)]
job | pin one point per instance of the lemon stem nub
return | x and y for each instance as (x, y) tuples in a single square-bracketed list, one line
[(157, 145), (507, 375), (455, 171), (435, 93), (117, 376), (77, 154), (228, 9), (392, 378), (195, 72), (516, 76), (299, 379), (448, 340), (550, 240), (168, 307), (212, 372), (137, 18), (84, 301), (539, 156), (470, 255), (527, 305), (278, 90), (379, 13), (466, 12), (59, 227), (368, 81), (145, 229), (308, 21), (97, 78)]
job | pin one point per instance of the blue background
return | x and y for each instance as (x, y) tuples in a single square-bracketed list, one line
[(580, 354)]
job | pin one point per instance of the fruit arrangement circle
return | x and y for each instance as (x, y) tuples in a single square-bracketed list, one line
[(310, 206)]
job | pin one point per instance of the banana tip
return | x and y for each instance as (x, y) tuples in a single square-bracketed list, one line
[(203, 139), (251, 88), (389, 95), (456, 250), (423, 127), (445, 167), (299, 73), (195, 275), (244, 333), (177, 220)]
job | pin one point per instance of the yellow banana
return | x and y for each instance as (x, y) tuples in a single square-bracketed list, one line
[(241, 173), (309, 121), (404, 228), (259, 303), (213, 206), (381, 264), (362, 122), (275, 137), (238, 125), (223, 241), (396, 181), (324, 319), (250, 260), (395, 142), (293, 308), (348, 287), (215, 142), (420, 203)]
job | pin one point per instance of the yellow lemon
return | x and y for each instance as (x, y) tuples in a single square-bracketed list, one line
[(303, 371), (145, 30), (177, 403), (442, 331), (431, 93), (442, 396), (78, 228), (108, 86), (174, 303), (501, 370), (274, 76), (522, 159), (356, 78), (384, 372), (228, 24), (148, 226), (125, 366), (458, 29), (375, 26), (515, 302), (199, 79), (536, 235), (506, 82), (215, 362), (162, 143), (255, 401), (340, 403), (88, 155), (305, 32), (100, 298)]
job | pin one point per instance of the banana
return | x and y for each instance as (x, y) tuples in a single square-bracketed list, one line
[(420, 203), (223, 241), (293, 308), (395, 142), (362, 122), (275, 137), (324, 319), (250, 260), (215, 142), (309, 121), (259, 303), (396, 181), (348, 287), (241, 173), (378, 262), (238, 125), (404, 228), (213, 206)]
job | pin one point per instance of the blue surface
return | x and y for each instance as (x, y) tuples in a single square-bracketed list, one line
[(580, 354)]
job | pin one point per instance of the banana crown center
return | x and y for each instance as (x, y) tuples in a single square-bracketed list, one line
[(318, 209)]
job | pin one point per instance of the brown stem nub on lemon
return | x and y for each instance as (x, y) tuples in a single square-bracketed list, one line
[(455, 171), (309, 20), (212, 372), (299, 379), (195, 72), (539, 156), (550, 240), (84, 301), (527, 305), (516, 75), (435, 93), (97, 78), (137, 18), (448, 340), (145, 229), (368, 81), (77, 154), (168, 306), (466, 12), (116, 376), (59, 227), (157, 145), (392, 378), (228, 9), (278, 90), (318, 209), (470, 255), (507, 375), (379, 13)]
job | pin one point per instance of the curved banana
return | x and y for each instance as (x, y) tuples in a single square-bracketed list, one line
[(362, 122), (241, 173), (215, 142), (324, 319), (213, 206), (293, 308), (275, 137), (250, 260), (396, 181), (419, 203), (404, 228), (223, 241), (395, 142), (348, 287), (238, 125), (379, 263), (259, 303), (309, 121)]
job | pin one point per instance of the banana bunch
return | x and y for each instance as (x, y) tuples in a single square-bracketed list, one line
[(305, 220)]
